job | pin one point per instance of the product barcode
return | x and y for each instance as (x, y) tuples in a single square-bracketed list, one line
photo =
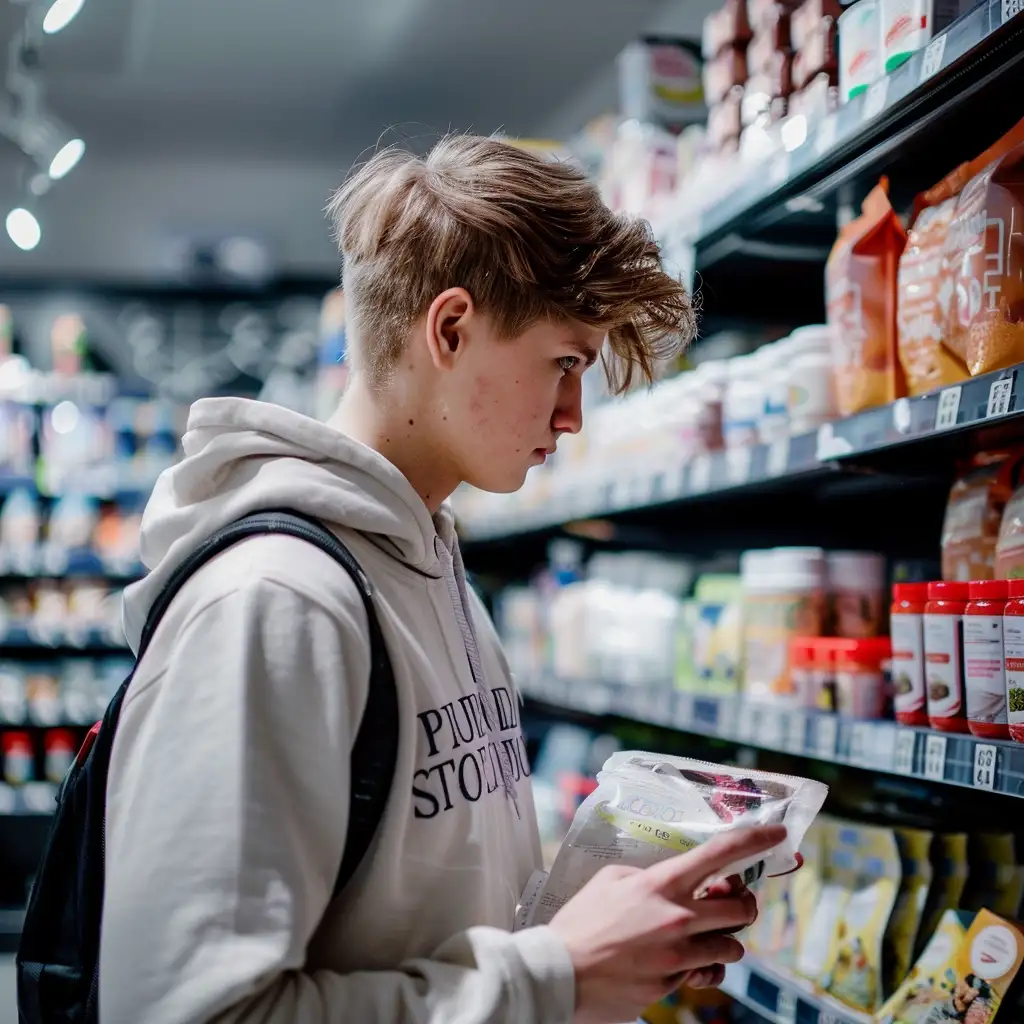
[(874, 99), (1011, 8), (932, 60), (903, 761), (984, 766), (1000, 394), (935, 758), (949, 407)]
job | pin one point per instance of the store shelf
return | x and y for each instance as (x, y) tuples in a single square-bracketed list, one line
[(34, 799), (945, 105), (993, 766), (48, 561), (782, 1000), (18, 640), (911, 436)]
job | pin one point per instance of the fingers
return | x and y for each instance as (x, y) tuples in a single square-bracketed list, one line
[(706, 977), (725, 913), (682, 875), (708, 951)]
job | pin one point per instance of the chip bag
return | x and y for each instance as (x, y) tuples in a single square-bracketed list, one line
[(649, 807), (860, 292), (985, 258)]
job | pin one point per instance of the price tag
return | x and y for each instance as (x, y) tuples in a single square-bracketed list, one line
[(906, 743), (684, 711), (674, 478), (935, 758), (825, 138), (984, 766), (778, 457), (826, 734), (773, 730), (785, 1007), (700, 474), (949, 406), (778, 174), (1011, 8), (999, 397), (746, 723), (737, 461), (860, 743), (874, 99), (932, 60), (796, 728)]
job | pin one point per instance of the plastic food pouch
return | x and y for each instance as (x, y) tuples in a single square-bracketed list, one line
[(915, 849), (985, 260), (974, 513), (860, 292), (649, 807), (920, 321), (949, 861)]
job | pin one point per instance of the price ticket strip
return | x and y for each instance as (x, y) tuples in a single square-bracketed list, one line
[(995, 766)]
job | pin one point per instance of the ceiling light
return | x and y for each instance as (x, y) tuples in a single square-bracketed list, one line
[(60, 15), (23, 228), (66, 158)]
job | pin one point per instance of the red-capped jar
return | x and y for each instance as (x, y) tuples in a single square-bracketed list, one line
[(944, 655), (906, 627), (860, 676), (1013, 652), (984, 674)]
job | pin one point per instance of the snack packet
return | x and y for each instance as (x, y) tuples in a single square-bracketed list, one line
[(649, 807), (860, 293)]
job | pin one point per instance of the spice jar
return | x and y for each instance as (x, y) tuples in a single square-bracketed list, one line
[(860, 676), (984, 677), (906, 626), (944, 655), (1013, 652)]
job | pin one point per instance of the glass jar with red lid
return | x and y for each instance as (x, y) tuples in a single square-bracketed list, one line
[(944, 655), (984, 674), (906, 627)]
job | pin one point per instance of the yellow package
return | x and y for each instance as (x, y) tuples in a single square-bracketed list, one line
[(949, 860), (930, 979), (818, 918), (994, 879), (854, 970), (966, 977), (900, 937)]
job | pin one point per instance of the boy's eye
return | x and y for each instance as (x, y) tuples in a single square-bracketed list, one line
[(568, 363)]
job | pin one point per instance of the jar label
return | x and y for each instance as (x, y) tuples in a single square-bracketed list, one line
[(944, 677), (984, 680), (1013, 649), (908, 661)]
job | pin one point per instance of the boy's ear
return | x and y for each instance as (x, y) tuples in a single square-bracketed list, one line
[(447, 326)]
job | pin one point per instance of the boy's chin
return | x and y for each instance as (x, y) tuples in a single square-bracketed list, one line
[(505, 483)]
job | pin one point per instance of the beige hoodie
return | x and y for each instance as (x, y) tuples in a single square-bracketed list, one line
[(228, 789)]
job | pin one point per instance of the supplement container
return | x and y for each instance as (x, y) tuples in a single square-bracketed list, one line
[(984, 678), (856, 583), (908, 25), (712, 378), (783, 597), (860, 48), (744, 401), (943, 655), (1013, 651), (860, 676), (773, 424), (906, 627), (811, 398)]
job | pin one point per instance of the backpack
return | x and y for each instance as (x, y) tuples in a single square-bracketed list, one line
[(58, 956)]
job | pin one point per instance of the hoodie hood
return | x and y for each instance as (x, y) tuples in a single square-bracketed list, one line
[(243, 456)]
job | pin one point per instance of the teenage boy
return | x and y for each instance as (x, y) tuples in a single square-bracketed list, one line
[(481, 283)]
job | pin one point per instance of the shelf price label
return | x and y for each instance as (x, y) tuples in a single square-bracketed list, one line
[(683, 717), (795, 730), (737, 461), (825, 138), (984, 766), (778, 457), (1011, 8), (932, 59), (700, 474), (949, 407), (826, 734), (860, 744), (935, 758), (785, 1007), (874, 98), (1000, 394), (903, 758)]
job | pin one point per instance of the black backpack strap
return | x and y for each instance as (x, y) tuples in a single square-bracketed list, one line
[(375, 749)]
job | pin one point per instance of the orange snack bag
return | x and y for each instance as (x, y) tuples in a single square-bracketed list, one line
[(985, 260), (860, 292), (920, 323)]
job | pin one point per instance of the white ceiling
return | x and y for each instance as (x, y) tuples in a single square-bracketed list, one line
[(209, 116)]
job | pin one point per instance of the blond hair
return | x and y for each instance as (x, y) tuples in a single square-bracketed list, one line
[(529, 239)]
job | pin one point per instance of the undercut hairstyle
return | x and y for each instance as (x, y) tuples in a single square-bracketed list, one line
[(529, 239)]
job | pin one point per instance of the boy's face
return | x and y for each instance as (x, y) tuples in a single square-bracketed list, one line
[(509, 400)]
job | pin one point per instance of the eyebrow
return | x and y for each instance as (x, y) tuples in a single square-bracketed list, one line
[(588, 352)]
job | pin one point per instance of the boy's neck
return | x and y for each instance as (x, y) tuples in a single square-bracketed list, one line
[(389, 426)]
